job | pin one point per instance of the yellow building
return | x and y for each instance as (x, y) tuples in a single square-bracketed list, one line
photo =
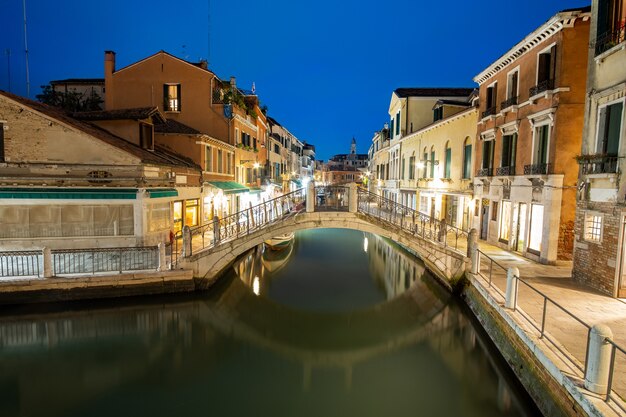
[(435, 164)]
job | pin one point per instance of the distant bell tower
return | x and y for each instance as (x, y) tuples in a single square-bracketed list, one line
[(353, 147)]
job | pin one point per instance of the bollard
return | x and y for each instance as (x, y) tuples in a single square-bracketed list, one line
[(162, 261), (352, 198), (472, 250), (512, 273), (598, 359), (216, 230), (48, 270), (186, 242), (310, 197)]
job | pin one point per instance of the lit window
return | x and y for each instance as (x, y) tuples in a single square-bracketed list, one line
[(171, 97), (593, 227)]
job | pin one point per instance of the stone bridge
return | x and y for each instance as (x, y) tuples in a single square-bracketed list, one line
[(440, 246)]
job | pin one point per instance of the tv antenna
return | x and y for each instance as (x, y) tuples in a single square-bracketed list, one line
[(26, 51), (8, 54)]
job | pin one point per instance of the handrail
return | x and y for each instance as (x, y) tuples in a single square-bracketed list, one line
[(239, 224), (407, 218)]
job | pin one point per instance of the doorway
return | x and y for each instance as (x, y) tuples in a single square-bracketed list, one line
[(484, 219), (519, 227)]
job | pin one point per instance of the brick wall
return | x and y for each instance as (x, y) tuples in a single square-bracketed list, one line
[(595, 263)]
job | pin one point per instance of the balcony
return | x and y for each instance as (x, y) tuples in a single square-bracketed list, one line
[(512, 101), (598, 164), (505, 171), (608, 40), (544, 85), (489, 112), (538, 169), (485, 172)]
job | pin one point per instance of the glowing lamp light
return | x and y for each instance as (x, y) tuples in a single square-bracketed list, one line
[(256, 165), (305, 181), (256, 286)]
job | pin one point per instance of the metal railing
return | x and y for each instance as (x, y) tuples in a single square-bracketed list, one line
[(598, 165), (489, 112), (504, 171), (608, 40), (20, 263), (549, 326), (332, 198), (238, 224), (484, 172), (544, 85), (511, 101), (409, 220), (94, 260), (538, 169)]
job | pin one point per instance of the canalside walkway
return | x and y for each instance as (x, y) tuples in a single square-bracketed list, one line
[(556, 283)]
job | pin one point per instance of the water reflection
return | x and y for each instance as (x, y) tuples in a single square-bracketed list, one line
[(232, 352)]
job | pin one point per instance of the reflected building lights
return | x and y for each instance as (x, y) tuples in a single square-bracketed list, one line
[(365, 242), (256, 287)]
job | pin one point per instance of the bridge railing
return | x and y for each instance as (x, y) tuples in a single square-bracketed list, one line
[(191, 240), (411, 220), (332, 198)]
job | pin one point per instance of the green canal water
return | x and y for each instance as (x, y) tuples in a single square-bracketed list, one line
[(341, 323)]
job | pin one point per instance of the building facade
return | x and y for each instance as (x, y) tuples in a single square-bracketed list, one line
[(529, 132), (600, 228)]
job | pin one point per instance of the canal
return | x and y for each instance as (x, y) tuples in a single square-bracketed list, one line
[(339, 323)]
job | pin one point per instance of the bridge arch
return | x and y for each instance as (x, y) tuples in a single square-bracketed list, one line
[(445, 263)]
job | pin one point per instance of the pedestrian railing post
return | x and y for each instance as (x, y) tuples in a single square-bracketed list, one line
[(310, 197), (599, 359), (186, 242), (512, 275), (48, 270), (472, 250)]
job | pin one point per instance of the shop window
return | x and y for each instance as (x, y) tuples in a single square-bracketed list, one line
[(536, 229), (505, 222), (494, 211), (177, 212), (191, 212)]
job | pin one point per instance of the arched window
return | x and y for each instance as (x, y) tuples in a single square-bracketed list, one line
[(448, 161), (467, 158), (432, 162)]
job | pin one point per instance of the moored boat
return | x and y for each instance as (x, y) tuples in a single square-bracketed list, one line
[(280, 242)]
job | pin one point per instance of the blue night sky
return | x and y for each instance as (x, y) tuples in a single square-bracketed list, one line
[(326, 69)]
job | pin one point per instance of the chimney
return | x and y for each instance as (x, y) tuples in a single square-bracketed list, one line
[(109, 69), (204, 64), (233, 83)]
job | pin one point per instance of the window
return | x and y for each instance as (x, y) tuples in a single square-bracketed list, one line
[(540, 151), (425, 163), (424, 205), (546, 70), (276, 148), (492, 96), (611, 22), (432, 162), (494, 210), (391, 129), (208, 159), (505, 222), (511, 89), (146, 137), (220, 161), (229, 163), (1, 142), (403, 167), (488, 154), (593, 227), (254, 143), (191, 212), (412, 167), (609, 128), (536, 229), (467, 158), (437, 114), (509, 143), (398, 123), (237, 138), (448, 162), (171, 97)]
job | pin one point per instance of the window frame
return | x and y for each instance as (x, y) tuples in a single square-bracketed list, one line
[(167, 100), (588, 235), (621, 131)]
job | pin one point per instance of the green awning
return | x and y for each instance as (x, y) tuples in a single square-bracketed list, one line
[(229, 187), (255, 190), (297, 182), (70, 193), (163, 192)]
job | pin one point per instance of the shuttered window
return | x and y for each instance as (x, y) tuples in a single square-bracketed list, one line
[(609, 128)]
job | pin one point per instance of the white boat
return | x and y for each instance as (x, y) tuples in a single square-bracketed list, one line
[(274, 261), (280, 242)]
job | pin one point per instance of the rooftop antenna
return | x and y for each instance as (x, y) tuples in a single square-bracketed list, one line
[(26, 51)]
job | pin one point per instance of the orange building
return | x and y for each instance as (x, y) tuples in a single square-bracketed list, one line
[(529, 132)]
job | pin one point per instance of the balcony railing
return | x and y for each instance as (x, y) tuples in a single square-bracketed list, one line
[(607, 40), (504, 171), (485, 172), (490, 111), (511, 101), (544, 85), (598, 165), (538, 169)]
